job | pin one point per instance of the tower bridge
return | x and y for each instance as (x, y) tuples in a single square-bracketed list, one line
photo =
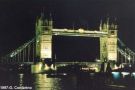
[(107, 34), (79, 32), (39, 49)]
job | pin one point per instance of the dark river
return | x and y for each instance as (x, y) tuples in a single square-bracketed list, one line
[(92, 81)]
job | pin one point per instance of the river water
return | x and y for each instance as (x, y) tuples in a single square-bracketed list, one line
[(21, 81)]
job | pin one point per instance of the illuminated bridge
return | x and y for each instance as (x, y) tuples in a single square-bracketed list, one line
[(39, 48)]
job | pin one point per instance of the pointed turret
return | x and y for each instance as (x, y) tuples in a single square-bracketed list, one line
[(100, 26), (43, 37), (107, 23), (50, 21)]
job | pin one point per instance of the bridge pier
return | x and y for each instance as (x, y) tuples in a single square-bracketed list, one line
[(41, 67), (36, 68), (40, 48)]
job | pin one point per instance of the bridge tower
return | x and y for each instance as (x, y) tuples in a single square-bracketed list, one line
[(44, 38), (108, 44)]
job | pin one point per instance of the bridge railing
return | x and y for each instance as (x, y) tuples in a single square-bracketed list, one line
[(24, 53), (127, 53)]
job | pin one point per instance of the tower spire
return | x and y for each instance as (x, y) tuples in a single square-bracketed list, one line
[(42, 13), (100, 27), (107, 23), (50, 16)]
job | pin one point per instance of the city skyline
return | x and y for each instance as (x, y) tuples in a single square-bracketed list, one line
[(18, 18)]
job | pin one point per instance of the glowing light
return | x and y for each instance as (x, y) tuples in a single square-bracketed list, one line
[(39, 65), (36, 68), (116, 75), (64, 74), (129, 58), (133, 74), (117, 67), (65, 29), (37, 41), (81, 30), (42, 82), (45, 54), (97, 60), (96, 69), (120, 86), (112, 48), (21, 64), (47, 67), (21, 76), (125, 73)]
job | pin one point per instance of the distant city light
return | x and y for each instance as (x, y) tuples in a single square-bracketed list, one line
[(125, 73), (116, 75), (81, 30)]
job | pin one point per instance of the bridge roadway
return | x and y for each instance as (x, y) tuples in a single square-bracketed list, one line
[(58, 63), (80, 32), (90, 64), (62, 32), (18, 63)]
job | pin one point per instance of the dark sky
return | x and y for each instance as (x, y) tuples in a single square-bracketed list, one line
[(17, 18), (75, 48)]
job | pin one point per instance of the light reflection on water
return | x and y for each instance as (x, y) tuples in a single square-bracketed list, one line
[(72, 82), (118, 75), (133, 74), (41, 82), (21, 76)]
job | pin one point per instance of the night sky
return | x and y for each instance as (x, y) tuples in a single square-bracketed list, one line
[(17, 18), (75, 48)]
